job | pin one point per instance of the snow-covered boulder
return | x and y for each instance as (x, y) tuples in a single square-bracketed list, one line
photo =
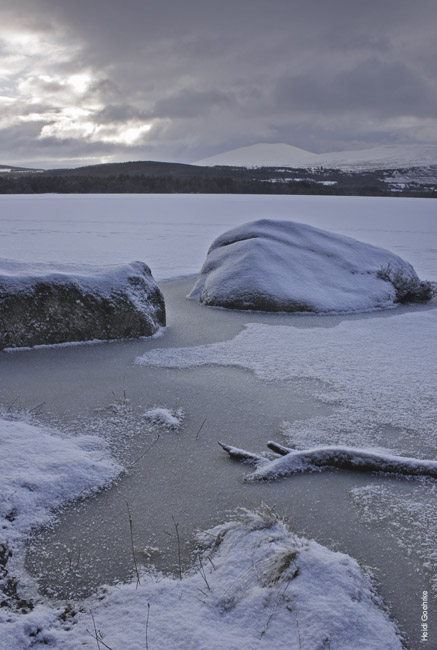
[(286, 266), (52, 303)]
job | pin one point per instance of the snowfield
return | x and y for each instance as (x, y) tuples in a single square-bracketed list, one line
[(172, 233)]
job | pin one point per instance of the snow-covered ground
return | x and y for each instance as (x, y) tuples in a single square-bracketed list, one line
[(376, 374)]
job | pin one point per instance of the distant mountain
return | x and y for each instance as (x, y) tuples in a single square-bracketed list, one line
[(135, 168), (259, 169), (9, 169), (285, 155), (263, 155)]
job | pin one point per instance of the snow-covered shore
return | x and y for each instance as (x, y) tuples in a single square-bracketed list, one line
[(254, 583)]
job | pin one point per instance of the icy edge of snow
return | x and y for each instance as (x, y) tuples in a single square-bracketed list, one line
[(256, 585), (41, 470)]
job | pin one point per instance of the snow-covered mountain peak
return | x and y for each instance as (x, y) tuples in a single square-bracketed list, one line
[(263, 155), (285, 155)]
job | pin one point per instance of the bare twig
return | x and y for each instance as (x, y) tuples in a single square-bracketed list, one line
[(280, 595), (11, 405), (200, 429), (298, 628), (202, 592), (37, 409), (176, 525), (99, 640), (203, 574), (97, 636), (95, 631), (132, 544), (152, 444), (147, 626)]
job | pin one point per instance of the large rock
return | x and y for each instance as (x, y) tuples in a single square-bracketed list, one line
[(285, 266), (48, 303)]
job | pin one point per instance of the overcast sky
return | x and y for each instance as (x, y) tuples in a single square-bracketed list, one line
[(88, 81)]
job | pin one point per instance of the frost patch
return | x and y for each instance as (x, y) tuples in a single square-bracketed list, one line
[(378, 374), (410, 518), (167, 418)]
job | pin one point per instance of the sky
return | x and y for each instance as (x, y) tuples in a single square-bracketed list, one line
[(91, 81)]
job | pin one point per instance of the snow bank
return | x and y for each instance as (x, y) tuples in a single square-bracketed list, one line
[(55, 303), (285, 266), (256, 585), (39, 470)]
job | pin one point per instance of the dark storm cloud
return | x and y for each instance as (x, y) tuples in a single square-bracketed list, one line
[(119, 113), (374, 86), (182, 80), (192, 103)]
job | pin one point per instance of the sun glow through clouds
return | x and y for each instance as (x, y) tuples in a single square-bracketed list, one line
[(80, 82), (76, 123), (132, 134)]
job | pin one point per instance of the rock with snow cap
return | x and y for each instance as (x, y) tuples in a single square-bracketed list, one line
[(53, 303), (270, 265)]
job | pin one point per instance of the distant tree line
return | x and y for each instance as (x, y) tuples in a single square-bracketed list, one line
[(145, 184)]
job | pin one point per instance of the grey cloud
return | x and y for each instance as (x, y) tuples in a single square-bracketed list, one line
[(370, 86), (119, 113), (192, 103), (45, 87), (217, 75)]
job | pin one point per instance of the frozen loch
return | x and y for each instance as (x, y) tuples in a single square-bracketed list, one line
[(110, 465)]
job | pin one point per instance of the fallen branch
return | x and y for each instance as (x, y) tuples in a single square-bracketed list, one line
[(242, 455), (291, 461)]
